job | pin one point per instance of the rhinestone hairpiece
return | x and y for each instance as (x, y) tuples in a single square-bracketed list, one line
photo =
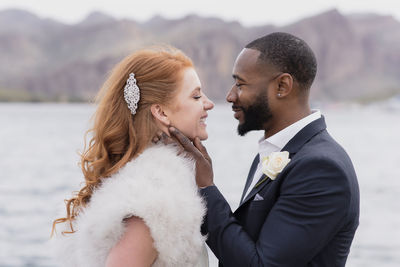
[(132, 93)]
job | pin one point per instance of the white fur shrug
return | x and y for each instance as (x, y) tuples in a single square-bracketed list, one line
[(157, 186)]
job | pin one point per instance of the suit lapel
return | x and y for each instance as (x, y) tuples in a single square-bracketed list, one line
[(256, 189), (294, 145), (304, 135), (250, 177)]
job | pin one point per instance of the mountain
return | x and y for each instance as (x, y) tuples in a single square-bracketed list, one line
[(44, 60), (97, 18)]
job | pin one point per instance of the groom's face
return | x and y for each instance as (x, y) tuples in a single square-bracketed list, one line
[(249, 93)]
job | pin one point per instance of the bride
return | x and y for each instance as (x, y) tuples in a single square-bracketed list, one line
[(139, 205)]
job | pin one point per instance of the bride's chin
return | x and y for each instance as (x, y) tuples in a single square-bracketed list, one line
[(203, 137)]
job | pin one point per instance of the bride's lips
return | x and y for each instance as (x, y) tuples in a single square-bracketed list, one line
[(203, 120)]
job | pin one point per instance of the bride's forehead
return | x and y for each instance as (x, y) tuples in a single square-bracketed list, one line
[(190, 81)]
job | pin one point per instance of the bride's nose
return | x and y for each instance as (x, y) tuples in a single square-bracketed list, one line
[(208, 104)]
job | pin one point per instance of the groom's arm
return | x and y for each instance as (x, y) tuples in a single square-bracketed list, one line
[(311, 208)]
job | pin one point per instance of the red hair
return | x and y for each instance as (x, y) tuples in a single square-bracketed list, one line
[(117, 135)]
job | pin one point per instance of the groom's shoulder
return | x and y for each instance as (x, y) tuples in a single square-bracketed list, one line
[(322, 165), (324, 148), (324, 144)]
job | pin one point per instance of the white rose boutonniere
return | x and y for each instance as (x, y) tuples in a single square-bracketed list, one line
[(274, 163)]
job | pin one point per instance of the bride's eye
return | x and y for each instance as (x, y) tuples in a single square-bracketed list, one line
[(197, 97)]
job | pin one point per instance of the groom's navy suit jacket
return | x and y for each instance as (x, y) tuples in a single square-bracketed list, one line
[(307, 216)]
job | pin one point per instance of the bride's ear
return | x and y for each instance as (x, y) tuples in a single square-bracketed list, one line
[(159, 113)]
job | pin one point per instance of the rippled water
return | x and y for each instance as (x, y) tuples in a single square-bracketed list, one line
[(39, 146)]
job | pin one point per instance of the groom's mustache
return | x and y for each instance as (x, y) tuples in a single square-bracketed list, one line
[(237, 108)]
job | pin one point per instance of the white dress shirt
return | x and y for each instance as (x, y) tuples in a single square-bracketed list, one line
[(278, 141)]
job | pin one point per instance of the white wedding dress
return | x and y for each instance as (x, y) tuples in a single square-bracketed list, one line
[(157, 186)]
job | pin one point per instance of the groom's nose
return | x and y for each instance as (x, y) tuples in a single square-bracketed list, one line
[(232, 95)]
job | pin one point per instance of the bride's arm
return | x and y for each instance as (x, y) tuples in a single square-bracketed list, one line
[(135, 247)]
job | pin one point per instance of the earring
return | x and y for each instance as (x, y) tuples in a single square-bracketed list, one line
[(279, 95)]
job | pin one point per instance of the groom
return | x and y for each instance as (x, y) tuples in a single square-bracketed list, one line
[(300, 204)]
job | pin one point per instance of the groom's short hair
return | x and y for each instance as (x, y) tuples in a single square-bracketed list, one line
[(289, 54)]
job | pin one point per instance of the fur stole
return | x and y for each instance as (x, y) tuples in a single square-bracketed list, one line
[(157, 186)]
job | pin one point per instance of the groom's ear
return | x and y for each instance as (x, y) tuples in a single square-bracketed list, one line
[(159, 114), (285, 85)]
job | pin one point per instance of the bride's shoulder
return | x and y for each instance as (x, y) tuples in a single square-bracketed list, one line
[(160, 153), (157, 166), (159, 160), (146, 180)]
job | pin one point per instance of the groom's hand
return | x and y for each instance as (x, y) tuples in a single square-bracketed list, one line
[(163, 138), (204, 171)]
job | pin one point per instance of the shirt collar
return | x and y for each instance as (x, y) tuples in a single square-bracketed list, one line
[(276, 142)]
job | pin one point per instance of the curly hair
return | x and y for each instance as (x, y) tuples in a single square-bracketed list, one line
[(117, 136)]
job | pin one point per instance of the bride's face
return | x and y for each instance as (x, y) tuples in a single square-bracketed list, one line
[(189, 109)]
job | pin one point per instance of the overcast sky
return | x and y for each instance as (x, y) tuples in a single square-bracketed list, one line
[(248, 12)]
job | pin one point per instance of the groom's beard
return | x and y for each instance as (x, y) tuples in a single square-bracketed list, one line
[(255, 115)]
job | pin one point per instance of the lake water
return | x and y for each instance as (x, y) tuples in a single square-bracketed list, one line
[(39, 145)]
